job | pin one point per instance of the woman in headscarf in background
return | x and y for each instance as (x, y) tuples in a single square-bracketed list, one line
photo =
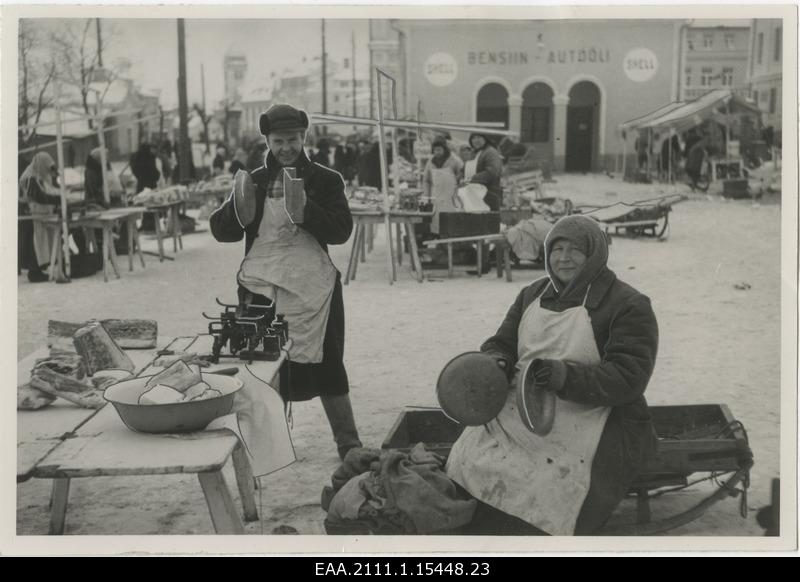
[(38, 194), (585, 342), (440, 180), (488, 169)]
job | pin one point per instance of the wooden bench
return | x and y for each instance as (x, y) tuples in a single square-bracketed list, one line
[(501, 245)]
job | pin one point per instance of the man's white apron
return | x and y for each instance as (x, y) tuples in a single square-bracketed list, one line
[(287, 264), (540, 479)]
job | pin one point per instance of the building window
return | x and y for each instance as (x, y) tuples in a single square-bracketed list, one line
[(688, 76), (708, 40), (760, 47), (690, 41), (730, 41), (705, 76), (727, 76), (773, 99), (778, 41)]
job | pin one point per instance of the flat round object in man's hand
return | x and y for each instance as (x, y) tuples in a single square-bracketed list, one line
[(244, 197), (472, 389), (537, 407)]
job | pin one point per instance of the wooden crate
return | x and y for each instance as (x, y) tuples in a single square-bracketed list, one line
[(457, 224)]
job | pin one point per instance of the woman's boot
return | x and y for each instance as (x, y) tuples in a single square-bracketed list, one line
[(343, 425)]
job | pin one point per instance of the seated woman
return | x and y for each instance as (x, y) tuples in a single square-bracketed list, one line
[(592, 342)]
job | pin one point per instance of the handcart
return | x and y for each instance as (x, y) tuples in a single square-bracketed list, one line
[(692, 440), (641, 218)]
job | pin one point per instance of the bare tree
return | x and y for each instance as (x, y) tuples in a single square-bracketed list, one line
[(77, 54), (35, 77)]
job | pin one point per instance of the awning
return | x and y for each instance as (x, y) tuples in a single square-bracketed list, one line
[(682, 116)]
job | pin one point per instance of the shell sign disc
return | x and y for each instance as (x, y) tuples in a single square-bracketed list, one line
[(640, 65), (441, 69)]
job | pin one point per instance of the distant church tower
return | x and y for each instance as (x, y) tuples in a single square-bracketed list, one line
[(235, 66)]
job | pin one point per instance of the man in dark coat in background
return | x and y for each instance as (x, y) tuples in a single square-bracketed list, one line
[(488, 171), (277, 257), (143, 166)]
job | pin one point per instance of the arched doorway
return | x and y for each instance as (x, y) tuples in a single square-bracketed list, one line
[(537, 119), (583, 127), (492, 104)]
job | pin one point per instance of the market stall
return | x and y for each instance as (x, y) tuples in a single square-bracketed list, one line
[(727, 118)]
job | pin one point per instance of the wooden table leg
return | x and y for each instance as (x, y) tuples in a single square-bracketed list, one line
[(178, 226), (173, 219), (246, 483), (389, 250), (498, 258), (370, 237), (507, 261), (159, 235), (130, 244), (480, 258), (412, 241), (399, 231), (359, 240), (106, 244), (55, 253), (450, 260), (362, 246), (220, 503), (353, 252), (112, 251), (58, 506), (136, 241)]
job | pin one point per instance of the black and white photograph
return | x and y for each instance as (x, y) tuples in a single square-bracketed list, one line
[(477, 278)]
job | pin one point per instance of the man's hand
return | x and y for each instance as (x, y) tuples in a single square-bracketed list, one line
[(294, 197)]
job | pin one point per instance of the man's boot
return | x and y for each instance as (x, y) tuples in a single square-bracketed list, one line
[(343, 425)]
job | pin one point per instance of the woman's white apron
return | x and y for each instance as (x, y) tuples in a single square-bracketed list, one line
[(286, 263), (443, 189), (542, 480)]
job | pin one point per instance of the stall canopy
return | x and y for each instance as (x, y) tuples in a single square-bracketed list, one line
[(717, 105)]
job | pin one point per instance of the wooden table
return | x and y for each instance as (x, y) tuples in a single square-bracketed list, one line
[(172, 212), (104, 221), (104, 447), (501, 245), (39, 431), (363, 223)]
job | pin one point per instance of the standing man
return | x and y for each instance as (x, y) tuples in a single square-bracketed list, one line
[(286, 260)]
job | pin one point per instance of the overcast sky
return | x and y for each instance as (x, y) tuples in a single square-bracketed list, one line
[(151, 45)]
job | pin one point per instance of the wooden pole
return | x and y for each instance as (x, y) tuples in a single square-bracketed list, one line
[(62, 277), (184, 145), (101, 140), (384, 180), (624, 154)]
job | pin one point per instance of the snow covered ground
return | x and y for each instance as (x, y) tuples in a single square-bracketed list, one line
[(719, 344)]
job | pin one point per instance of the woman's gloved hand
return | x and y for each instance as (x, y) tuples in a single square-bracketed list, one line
[(542, 372)]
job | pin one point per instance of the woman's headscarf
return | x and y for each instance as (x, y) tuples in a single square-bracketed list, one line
[(489, 143), (40, 169), (442, 143), (585, 234)]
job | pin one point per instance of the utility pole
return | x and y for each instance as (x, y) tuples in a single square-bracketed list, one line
[(205, 114), (353, 65), (324, 72), (99, 44), (184, 145)]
